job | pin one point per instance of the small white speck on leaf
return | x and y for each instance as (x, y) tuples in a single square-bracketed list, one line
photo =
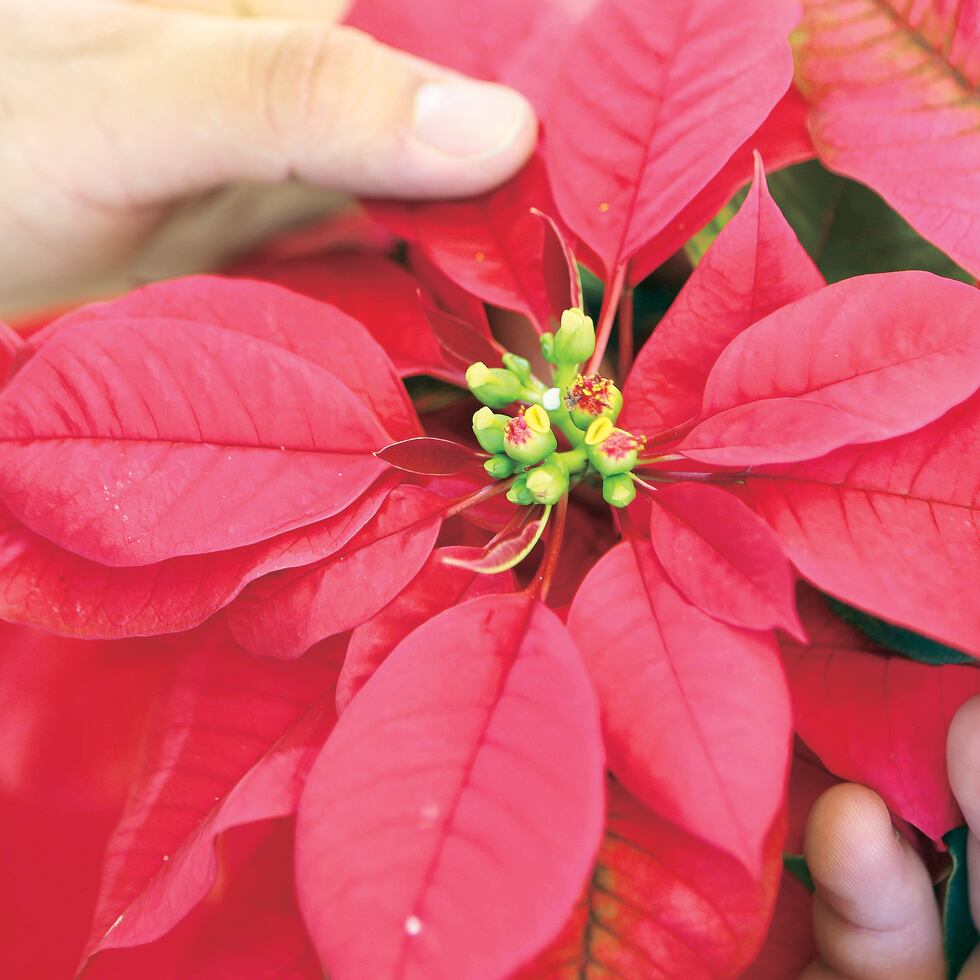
[(551, 399), (413, 925)]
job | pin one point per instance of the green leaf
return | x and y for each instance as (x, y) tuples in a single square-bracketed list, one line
[(796, 865), (848, 230), (959, 933), (897, 639)]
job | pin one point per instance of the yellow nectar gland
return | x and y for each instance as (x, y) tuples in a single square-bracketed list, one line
[(598, 431), (537, 419)]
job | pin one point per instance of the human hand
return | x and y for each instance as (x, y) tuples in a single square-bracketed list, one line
[(111, 112), (875, 915)]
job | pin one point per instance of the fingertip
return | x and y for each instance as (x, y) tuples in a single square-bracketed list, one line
[(851, 847), (963, 760), (466, 137)]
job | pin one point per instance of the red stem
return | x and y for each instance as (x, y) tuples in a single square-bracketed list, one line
[(541, 585), (471, 499), (625, 333), (610, 302)]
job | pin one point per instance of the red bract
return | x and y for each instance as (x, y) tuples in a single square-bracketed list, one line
[(893, 88), (241, 467)]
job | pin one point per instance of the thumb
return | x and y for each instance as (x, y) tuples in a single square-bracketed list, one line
[(274, 99)]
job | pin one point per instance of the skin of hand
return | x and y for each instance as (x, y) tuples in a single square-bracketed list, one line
[(874, 912), (113, 112)]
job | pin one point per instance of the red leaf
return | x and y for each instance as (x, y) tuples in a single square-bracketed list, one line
[(48, 586), (230, 745), (450, 297), (429, 457), (660, 899), (449, 823), (754, 267), (437, 587), (248, 926), (893, 87), (723, 558), (492, 245), (860, 361), (284, 614), (891, 528), (878, 719), (70, 720), (316, 331), (377, 293), (513, 41), (702, 752), (790, 945), (130, 442), (781, 140), (627, 143)]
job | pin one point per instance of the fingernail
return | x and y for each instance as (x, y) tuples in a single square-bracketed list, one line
[(469, 119)]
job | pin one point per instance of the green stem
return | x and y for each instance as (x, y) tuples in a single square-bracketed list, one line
[(574, 460)]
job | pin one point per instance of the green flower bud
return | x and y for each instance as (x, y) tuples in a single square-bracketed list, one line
[(575, 340), (593, 397), (519, 366), (619, 490), (495, 387), (488, 428), (548, 483), (519, 493), (500, 466), (548, 347), (528, 437), (611, 450)]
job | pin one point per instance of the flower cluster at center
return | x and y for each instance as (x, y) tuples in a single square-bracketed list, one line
[(581, 408)]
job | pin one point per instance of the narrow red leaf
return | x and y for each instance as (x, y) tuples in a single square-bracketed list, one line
[(893, 88), (430, 457), (507, 552), (891, 528), (319, 332), (461, 343), (284, 614), (723, 558), (660, 899), (450, 297), (860, 361), (437, 587), (230, 745), (562, 281), (130, 442), (783, 139), (48, 586), (876, 718), (708, 755), (449, 823), (754, 267), (627, 143)]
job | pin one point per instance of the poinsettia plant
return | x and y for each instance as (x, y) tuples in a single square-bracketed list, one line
[(497, 674)]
